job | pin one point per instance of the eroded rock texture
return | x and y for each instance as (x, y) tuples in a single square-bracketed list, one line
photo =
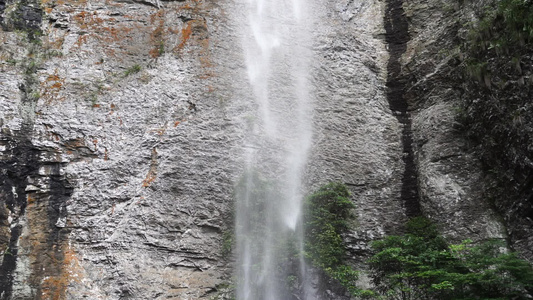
[(117, 156), (450, 175), (122, 125), (358, 140)]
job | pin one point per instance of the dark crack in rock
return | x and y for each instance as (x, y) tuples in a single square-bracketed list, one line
[(397, 36)]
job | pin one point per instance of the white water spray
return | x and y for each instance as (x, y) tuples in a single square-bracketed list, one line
[(269, 197)]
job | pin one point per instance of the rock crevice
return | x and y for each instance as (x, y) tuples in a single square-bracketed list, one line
[(397, 36)]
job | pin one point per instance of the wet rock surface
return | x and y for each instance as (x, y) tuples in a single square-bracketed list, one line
[(357, 137), (397, 36), (122, 138)]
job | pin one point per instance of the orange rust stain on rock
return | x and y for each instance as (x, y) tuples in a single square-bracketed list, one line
[(185, 35), (113, 3), (82, 39), (152, 172), (54, 264), (158, 131), (102, 29), (87, 20), (54, 40), (150, 177), (54, 136), (157, 36), (51, 88), (206, 75), (195, 37), (55, 3), (75, 143), (196, 29), (30, 199), (54, 287)]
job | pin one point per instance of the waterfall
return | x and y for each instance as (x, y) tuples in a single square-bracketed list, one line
[(269, 196)]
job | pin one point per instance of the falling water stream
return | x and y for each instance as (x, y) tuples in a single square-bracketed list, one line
[(269, 234)]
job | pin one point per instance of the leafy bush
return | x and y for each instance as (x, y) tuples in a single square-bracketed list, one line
[(327, 212), (420, 265)]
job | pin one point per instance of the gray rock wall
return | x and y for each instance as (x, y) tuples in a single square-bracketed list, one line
[(357, 139), (130, 123), (122, 127), (450, 176)]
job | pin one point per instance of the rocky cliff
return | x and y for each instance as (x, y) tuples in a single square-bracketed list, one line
[(117, 150), (465, 97), (122, 125)]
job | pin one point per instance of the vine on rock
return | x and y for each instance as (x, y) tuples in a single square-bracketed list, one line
[(327, 212)]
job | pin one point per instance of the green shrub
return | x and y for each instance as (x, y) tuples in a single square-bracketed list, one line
[(497, 115), (420, 265), (326, 216), (228, 239)]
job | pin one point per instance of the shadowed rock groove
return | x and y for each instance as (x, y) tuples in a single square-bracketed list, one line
[(397, 36)]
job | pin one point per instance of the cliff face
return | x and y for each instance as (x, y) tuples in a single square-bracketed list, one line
[(450, 176), (117, 156), (122, 125), (470, 134)]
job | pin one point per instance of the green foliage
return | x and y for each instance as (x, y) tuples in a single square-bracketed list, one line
[(508, 24), (497, 111), (224, 291), (132, 70), (49, 53), (327, 212), (161, 48), (518, 19), (31, 67), (35, 96), (477, 70), (11, 61), (420, 265), (326, 215)]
